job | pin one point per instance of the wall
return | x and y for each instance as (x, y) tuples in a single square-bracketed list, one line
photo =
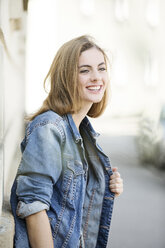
[(12, 98)]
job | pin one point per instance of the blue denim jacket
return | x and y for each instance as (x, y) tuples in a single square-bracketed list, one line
[(65, 172)]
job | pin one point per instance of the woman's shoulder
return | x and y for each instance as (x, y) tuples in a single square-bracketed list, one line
[(46, 125), (47, 118)]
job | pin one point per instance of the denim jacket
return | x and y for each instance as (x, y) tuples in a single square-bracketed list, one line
[(66, 173)]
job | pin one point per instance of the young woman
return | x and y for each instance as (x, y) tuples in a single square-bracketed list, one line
[(64, 189)]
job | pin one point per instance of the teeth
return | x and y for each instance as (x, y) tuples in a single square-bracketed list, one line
[(94, 87)]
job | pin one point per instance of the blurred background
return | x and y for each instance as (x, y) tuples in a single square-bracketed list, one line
[(133, 125)]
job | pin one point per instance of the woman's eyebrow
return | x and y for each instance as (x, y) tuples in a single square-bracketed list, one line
[(103, 63), (84, 66), (89, 66)]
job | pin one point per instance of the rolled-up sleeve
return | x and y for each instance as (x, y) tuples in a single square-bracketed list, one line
[(39, 169), (24, 209)]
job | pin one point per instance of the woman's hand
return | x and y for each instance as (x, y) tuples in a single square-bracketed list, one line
[(116, 182)]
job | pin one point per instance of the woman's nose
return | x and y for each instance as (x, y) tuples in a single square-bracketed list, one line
[(95, 76)]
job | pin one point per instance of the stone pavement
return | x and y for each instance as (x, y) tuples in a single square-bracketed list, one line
[(139, 213)]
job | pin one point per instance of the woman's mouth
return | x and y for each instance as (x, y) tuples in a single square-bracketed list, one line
[(94, 88)]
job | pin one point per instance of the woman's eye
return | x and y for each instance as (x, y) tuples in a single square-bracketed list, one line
[(84, 71), (102, 69)]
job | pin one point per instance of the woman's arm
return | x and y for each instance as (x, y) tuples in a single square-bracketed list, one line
[(39, 230)]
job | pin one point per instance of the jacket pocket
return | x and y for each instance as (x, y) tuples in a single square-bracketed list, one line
[(72, 178)]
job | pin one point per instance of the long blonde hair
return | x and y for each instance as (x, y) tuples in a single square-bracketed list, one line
[(64, 94)]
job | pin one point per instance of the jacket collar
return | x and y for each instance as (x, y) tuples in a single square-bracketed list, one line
[(84, 124), (87, 125), (73, 128)]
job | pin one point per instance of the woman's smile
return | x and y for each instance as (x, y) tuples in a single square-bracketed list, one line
[(94, 88)]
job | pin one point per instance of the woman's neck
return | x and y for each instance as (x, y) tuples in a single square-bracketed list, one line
[(78, 117)]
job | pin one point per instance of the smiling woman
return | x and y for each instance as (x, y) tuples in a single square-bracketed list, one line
[(64, 190)]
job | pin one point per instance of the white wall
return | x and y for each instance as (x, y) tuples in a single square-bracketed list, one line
[(12, 23), (1, 127)]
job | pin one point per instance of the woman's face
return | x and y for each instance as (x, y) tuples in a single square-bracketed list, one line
[(92, 77)]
